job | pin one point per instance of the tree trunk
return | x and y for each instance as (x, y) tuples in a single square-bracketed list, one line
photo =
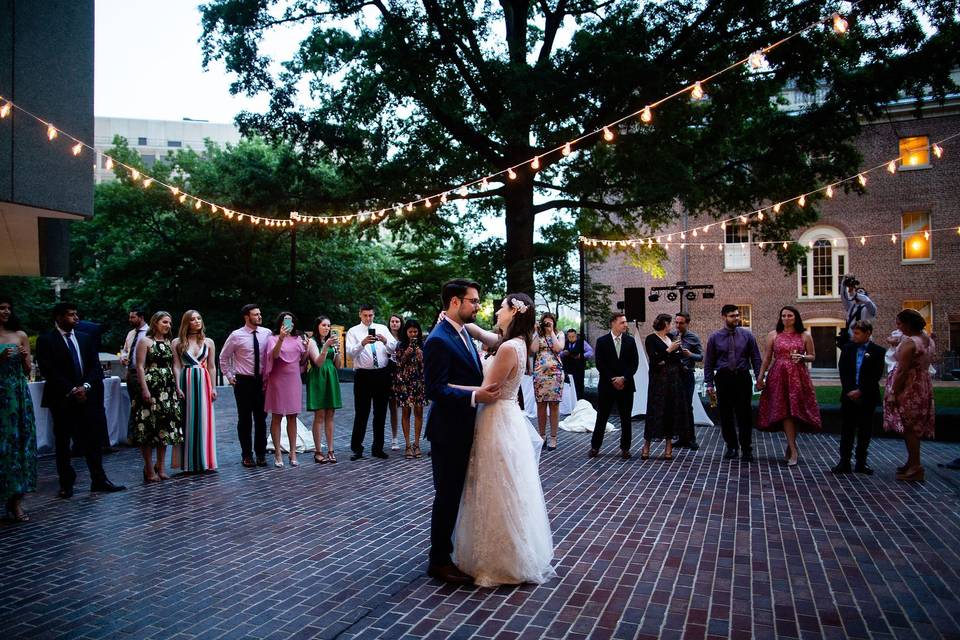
[(519, 220)]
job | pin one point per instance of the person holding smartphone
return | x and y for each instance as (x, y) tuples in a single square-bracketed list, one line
[(370, 346), (409, 386), (667, 414), (323, 385), (396, 323), (548, 378), (286, 357)]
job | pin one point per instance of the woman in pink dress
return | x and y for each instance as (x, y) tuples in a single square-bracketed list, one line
[(908, 398), (787, 399), (286, 356)]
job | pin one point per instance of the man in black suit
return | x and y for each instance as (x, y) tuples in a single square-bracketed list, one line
[(861, 367), (617, 360), (73, 392)]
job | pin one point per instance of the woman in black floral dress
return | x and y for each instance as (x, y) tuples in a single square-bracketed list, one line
[(156, 418), (409, 384)]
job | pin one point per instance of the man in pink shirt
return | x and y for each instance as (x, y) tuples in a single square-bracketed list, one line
[(241, 361)]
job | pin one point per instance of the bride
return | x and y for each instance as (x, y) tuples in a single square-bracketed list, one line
[(502, 534)]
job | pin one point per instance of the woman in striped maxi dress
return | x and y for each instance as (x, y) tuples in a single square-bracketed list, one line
[(195, 369)]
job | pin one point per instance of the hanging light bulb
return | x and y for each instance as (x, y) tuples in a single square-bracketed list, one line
[(463, 191), (893, 238), (839, 24), (784, 245), (134, 174), (706, 229), (197, 204), (566, 149), (683, 235), (535, 164), (649, 242), (646, 116), (862, 179), (926, 235), (427, 203), (760, 216), (398, 210), (757, 60), (174, 190), (829, 191), (109, 164), (607, 134), (669, 237), (147, 182), (51, 132), (182, 198), (213, 208), (802, 201), (484, 183), (77, 148), (760, 244), (701, 246), (892, 166), (696, 93), (694, 233), (937, 150), (743, 219), (5, 110), (511, 174), (410, 206), (723, 225), (776, 208), (863, 240), (443, 198)]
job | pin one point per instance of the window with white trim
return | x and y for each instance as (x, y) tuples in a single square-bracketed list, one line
[(820, 272), (736, 247), (915, 238)]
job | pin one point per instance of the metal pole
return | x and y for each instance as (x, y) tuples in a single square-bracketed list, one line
[(293, 265), (583, 283)]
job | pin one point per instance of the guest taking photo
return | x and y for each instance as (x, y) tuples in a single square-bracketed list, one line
[(286, 357), (323, 386), (409, 389)]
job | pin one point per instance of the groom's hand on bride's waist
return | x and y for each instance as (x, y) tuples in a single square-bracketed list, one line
[(487, 394)]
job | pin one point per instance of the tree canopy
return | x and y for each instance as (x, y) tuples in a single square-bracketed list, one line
[(406, 98)]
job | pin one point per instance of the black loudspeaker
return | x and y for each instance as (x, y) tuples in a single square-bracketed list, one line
[(635, 304)]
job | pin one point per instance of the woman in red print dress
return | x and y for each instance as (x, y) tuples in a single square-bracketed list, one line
[(787, 399)]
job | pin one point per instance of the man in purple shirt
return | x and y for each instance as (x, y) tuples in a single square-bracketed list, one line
[(731, 353), (241, 360)]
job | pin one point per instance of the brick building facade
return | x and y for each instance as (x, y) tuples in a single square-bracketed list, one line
[(920, 271)]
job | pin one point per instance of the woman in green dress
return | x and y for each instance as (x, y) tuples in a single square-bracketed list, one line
[(323, 385), (157, 418), (18, 432)]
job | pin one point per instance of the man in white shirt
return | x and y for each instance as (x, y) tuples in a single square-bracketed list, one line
[(138, 324), (370, 345)]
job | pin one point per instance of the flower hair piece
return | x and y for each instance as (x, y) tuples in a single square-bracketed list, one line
[(518, 305)]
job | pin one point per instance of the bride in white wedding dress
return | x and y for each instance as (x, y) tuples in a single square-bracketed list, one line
[(503, 534)]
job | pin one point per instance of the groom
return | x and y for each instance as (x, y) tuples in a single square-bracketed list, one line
[(449, 357)]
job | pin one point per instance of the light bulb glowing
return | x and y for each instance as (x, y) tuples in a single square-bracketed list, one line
[(427, 203), (863, 240), (683, 235), (535, 164), (784, 245), (829, 191), (443, 198), (607, 134), (706, 229), (862, 179), (109, 164), (757, 60), (926, 235), (134, 174), (76, 149), (760, 216), (776, 208), (743, 219), (694, 233), (802, 201), (839, 24), (5, 110), (484, 183), (937, 150), (51, 132), (511, 174), (723, 225), (196, 205), (410, 206), (175, 190), (893, 238), (701, 246), (463, 191), (892, 166), (646, 115), (696, 92), (566, 149), (147, 182), (182, 198), (213, 208)]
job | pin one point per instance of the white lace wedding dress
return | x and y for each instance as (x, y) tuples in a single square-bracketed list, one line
[(503, 533)]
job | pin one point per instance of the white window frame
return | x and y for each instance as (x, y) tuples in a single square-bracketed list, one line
[(903, 238), (737, 254), (839, 247), (903, 166)]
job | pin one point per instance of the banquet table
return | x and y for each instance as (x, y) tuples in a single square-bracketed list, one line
[(567, 403), (116, 405)]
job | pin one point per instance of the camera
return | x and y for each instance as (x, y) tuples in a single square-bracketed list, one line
[(850, 280)]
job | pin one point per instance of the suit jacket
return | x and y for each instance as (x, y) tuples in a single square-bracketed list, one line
[(447, 360), (610, 366), (56, 365), (871, 370)]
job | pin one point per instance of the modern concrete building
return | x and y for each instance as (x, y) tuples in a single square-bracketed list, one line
[(154, 139), (46, 66)]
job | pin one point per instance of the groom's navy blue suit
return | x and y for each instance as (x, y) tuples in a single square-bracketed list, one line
[(447, 360)]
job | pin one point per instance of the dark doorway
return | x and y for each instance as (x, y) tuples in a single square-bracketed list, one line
[(824, 342)]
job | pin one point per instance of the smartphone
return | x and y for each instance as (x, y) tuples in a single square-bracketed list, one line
[(288, 323), (371, 331)]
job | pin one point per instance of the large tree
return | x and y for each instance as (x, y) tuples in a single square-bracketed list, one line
[(408, 98)]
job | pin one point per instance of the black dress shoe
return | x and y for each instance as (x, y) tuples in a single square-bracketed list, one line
[(693, 446), (448, 573), (262, 462), (593, 453), (248, 463), (625, 454), (106, 487), (864, 469), (747, 457), (843, 467), (380, 454), (731, 453), (65, 493), (356, 456), (953, 464)]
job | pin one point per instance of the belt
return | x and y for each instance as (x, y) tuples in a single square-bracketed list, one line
[(243, 376)]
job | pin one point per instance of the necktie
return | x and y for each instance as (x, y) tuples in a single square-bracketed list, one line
[(373, 350), (74, 355), (616, 345), (469, 345), (732, 351), (132, 357), (256, 354)]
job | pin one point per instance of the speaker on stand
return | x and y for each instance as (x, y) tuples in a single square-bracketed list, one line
[(635, 304)]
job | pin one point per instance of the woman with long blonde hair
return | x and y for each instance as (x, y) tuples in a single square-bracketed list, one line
[(194, 366)]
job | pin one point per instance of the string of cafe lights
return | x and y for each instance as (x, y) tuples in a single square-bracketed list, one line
[(755, 61), (692, 237)]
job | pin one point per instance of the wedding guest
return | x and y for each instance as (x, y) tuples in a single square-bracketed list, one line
[(157, 418), (576, 352), (73, 391), (787, 398), (138, 328), (731, 352), (395, 323), (861, 367), (370, 345), (409, 390), (908, 400), (323, 386), (691, 352), (194, 368), (617, 360), (94, 330), (286, 356), (18, 430), (548, 378), (667, 414), (241, 360)]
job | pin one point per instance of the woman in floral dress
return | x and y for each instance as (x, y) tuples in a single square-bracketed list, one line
[(156, 419), (548, 378), (18, 431), (409, 386), (908, 398)]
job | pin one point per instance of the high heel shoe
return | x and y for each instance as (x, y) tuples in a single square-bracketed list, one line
[(912, 474), (278, 462), (645, 453), (160, 474), (794, 459), (149, 478), (293, 462), (668, 453), (553, 444)]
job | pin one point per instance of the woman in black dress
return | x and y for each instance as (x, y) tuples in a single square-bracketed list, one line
[(667, 415)]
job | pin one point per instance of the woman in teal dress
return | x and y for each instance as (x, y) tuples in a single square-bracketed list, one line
[(18, 432), (323, 385), (157, 418)]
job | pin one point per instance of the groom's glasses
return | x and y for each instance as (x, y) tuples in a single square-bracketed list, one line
[(474, 301)]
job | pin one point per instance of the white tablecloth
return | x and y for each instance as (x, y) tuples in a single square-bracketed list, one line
[(567, 403), (116, 404)]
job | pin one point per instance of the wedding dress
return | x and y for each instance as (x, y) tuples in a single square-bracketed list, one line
[(503, 533)]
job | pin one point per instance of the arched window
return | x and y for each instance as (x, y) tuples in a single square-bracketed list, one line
[(819, 274)]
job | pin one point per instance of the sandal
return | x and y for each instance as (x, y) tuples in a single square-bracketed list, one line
[(147, 478), (416, 451), (332, 457), (408, 453), (160, 474), (645, 453), (668, 455), (319, 458)]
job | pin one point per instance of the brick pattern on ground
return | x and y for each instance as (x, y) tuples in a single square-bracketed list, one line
[(694, 548)]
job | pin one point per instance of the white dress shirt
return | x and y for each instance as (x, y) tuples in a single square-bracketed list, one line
[(362, 354), (71, 336)]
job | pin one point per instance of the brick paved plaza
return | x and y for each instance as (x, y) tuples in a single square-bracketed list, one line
[(693, 548)]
